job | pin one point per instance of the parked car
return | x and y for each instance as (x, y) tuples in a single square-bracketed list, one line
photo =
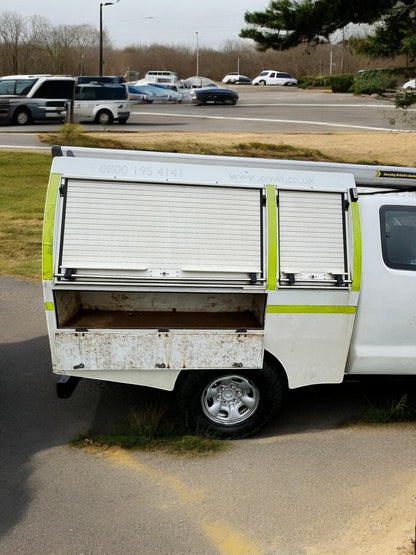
[(410, 84), (235, 78), (156, 93), (273, 77), (24, 111), (38, 86), (213, 95), (101, 104), (28, 98)]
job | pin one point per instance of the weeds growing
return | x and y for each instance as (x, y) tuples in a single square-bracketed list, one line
[(151, 428), (394, 410)]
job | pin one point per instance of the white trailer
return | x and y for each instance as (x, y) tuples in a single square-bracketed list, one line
[(227, 279)]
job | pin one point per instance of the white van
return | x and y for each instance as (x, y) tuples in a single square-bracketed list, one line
[(273, 77)]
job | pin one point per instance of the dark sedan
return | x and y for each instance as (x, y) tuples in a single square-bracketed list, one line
[(213, 95)]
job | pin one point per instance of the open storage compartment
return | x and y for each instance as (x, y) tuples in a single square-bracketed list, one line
[(147, 330), (136, 310), (150, 275)]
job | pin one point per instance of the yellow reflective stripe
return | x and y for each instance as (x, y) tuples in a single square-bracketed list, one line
[(48, 225), (271, 237), (356, 229), (49, 306), (310, 309)]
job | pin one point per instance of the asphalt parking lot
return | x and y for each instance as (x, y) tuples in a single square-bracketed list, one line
[(259, 110), (304, 485)]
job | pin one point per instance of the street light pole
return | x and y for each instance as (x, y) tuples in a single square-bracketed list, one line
[(197, 54), (100, 68)]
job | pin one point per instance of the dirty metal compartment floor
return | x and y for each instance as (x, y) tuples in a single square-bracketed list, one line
[(107, 319)]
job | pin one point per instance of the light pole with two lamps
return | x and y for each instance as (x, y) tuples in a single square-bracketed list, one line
[(100, 69)]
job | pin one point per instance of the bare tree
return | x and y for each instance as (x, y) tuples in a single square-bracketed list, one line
[(12, 34), (86, 40)]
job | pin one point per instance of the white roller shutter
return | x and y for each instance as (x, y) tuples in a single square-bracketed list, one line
[(312, 237), (161, 231)]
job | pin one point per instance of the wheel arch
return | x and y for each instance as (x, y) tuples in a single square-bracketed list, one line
[(271, 360), (278, 367)]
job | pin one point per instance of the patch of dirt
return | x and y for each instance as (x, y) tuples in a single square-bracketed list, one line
[(386, 148)]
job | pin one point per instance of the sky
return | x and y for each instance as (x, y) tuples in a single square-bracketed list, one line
[(208, 23)]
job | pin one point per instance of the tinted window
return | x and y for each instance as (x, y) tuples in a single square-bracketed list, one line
[(112, 93), (16, 86), (398, 236), (55, 89), (101, 93), (85, 93)]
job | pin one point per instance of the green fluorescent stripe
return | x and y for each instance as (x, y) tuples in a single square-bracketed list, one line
[(48, 225), (272, 237), (49, 306), (310, 309), (356, 282)]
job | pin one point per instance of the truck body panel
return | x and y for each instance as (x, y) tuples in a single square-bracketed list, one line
[(157, 263), (384, 340)]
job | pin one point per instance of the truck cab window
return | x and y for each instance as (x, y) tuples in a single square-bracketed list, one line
[(398, 236)]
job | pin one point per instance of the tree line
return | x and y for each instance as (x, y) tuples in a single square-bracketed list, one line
[(34, 45)]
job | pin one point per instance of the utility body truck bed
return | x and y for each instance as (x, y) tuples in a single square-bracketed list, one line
[(226, 279)]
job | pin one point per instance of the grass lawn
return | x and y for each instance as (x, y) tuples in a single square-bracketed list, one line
[(23, 183)]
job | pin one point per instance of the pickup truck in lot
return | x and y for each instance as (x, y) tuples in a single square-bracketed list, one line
[(24, 111)]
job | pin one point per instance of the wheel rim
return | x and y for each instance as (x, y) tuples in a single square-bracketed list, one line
[(230, 400), (104, 118), (22, 118)]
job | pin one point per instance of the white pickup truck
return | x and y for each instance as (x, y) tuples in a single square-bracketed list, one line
[(227, 279)]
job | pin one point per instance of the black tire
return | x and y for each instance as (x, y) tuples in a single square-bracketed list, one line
[(22, 116), (104, 117), (229, 405), (262, 83)]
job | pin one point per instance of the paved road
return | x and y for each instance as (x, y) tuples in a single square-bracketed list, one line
[(259, 110), (304, 486)]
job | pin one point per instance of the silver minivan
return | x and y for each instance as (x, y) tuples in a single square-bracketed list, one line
[(100, 103)]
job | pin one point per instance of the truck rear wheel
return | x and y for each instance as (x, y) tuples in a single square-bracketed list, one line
[(227, 404)]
